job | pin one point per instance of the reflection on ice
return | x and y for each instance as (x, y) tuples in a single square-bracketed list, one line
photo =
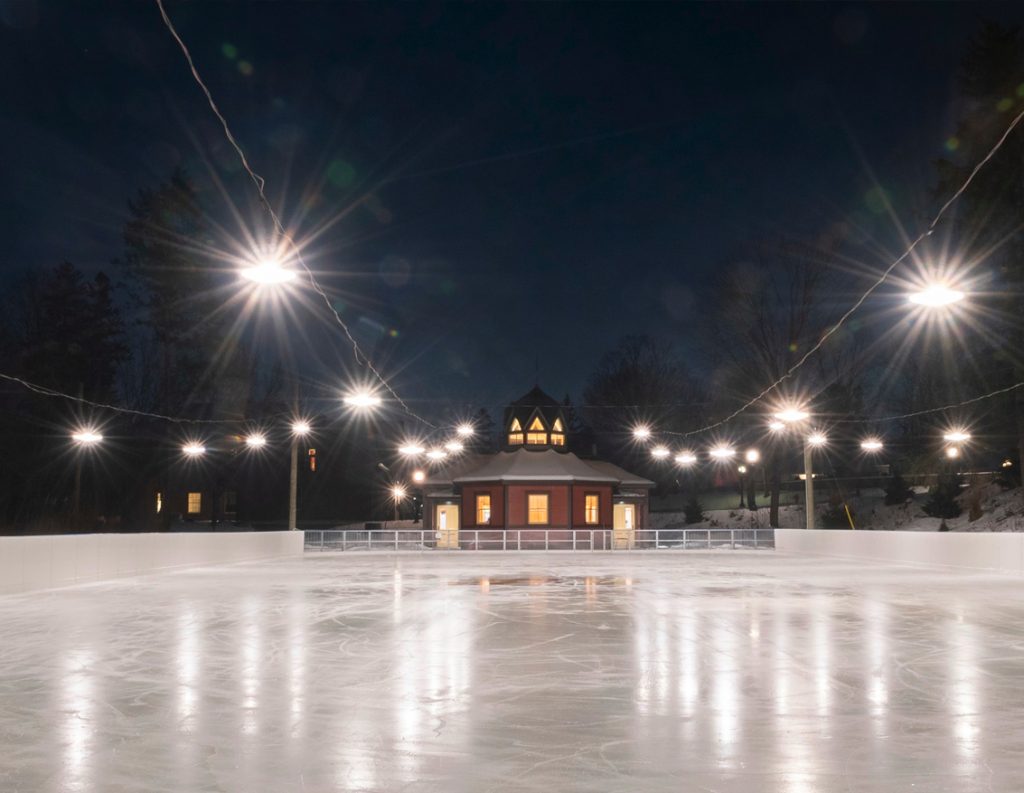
[(448, 674)]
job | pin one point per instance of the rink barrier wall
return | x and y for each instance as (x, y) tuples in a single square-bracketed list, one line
[(46, 561), (995, 551)]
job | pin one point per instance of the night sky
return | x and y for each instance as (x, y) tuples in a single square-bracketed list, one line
[(511, 183)]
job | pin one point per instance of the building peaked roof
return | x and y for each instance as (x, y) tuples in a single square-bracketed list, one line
[(535, 398), (524, 465)]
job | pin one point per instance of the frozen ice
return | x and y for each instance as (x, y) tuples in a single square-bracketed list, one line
[(726, 671)]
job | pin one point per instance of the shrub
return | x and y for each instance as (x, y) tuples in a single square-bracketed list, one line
[(835, 517), (693, 512), (897, 491), (942, 501)]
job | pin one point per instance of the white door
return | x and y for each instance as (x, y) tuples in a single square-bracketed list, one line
[(447, 525), (623, 525)]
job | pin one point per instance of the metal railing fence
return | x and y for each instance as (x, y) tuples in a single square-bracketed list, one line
[(537, 540)]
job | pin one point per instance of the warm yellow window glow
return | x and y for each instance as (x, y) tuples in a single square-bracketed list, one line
[(195, 503), (557, 426), (159, 502), (537, 424), (537, 438), (515, 439), (592, 509), (516, 426), (483, 509), (557, 440), (537, 509)]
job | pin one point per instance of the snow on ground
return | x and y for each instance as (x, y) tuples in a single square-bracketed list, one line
[(1003, 510), (732, 671)]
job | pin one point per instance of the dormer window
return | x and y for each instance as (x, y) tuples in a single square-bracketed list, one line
[(557, 433), (537, 434), (515, 433)]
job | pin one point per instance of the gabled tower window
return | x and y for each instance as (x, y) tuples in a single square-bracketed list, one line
[(537, 434), (557, 433), (515, 433)]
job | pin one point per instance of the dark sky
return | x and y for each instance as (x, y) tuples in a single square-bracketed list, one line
[(526, 182)]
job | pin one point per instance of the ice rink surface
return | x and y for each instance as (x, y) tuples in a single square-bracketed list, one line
[(729, 671)]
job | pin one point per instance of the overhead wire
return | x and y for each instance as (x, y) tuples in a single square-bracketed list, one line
[(360, 356)]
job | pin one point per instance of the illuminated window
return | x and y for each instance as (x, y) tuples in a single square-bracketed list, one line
[(537, 438), (516, 426), (557, 426), (483, 509), (312, 459), (159, 501), (195, 503), (515, 433), (537, 509), (557, 440), (592, 508), (537, 424)]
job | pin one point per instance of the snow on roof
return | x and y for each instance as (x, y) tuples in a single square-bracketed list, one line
[(524, 465)]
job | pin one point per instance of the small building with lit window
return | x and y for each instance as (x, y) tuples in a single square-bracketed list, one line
[(535, 484)]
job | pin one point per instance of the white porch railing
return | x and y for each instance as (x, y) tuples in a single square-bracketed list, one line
[(538, 539)]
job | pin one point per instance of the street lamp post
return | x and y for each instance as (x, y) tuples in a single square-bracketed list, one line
[(299, 430), (808, 487), (816, 439), (84, 439)]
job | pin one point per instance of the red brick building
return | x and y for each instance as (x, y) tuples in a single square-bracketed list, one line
[(534, 484)]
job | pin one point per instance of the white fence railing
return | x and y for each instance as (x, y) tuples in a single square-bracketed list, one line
[(537, 540)]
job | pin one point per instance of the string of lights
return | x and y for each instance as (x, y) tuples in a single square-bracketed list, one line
[(361, 357), (871, 289)]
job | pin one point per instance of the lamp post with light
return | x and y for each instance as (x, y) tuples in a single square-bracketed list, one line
[(300, 429), (797, 416), (85, 439)]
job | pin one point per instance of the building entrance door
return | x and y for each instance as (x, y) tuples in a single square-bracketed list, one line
[(446, 523), (623, 525)]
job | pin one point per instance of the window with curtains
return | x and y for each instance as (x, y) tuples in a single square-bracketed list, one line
[(195, 503), (592, 508)]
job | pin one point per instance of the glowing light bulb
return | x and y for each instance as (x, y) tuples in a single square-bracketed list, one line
[(936, 296), (362, 400), (752, 456), (660, 452), (641, 433), (957, 436), (256, 440), (268, 272), (437, 454), (454, 447), (86, 437), (776, 426), (301, 428), (817, 439), (418, 476), (465, 430), (952, 452), (398, 492), (790, 415), (871, 445), (194, 449), (686, 458), (411, 450), (722, 452)]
